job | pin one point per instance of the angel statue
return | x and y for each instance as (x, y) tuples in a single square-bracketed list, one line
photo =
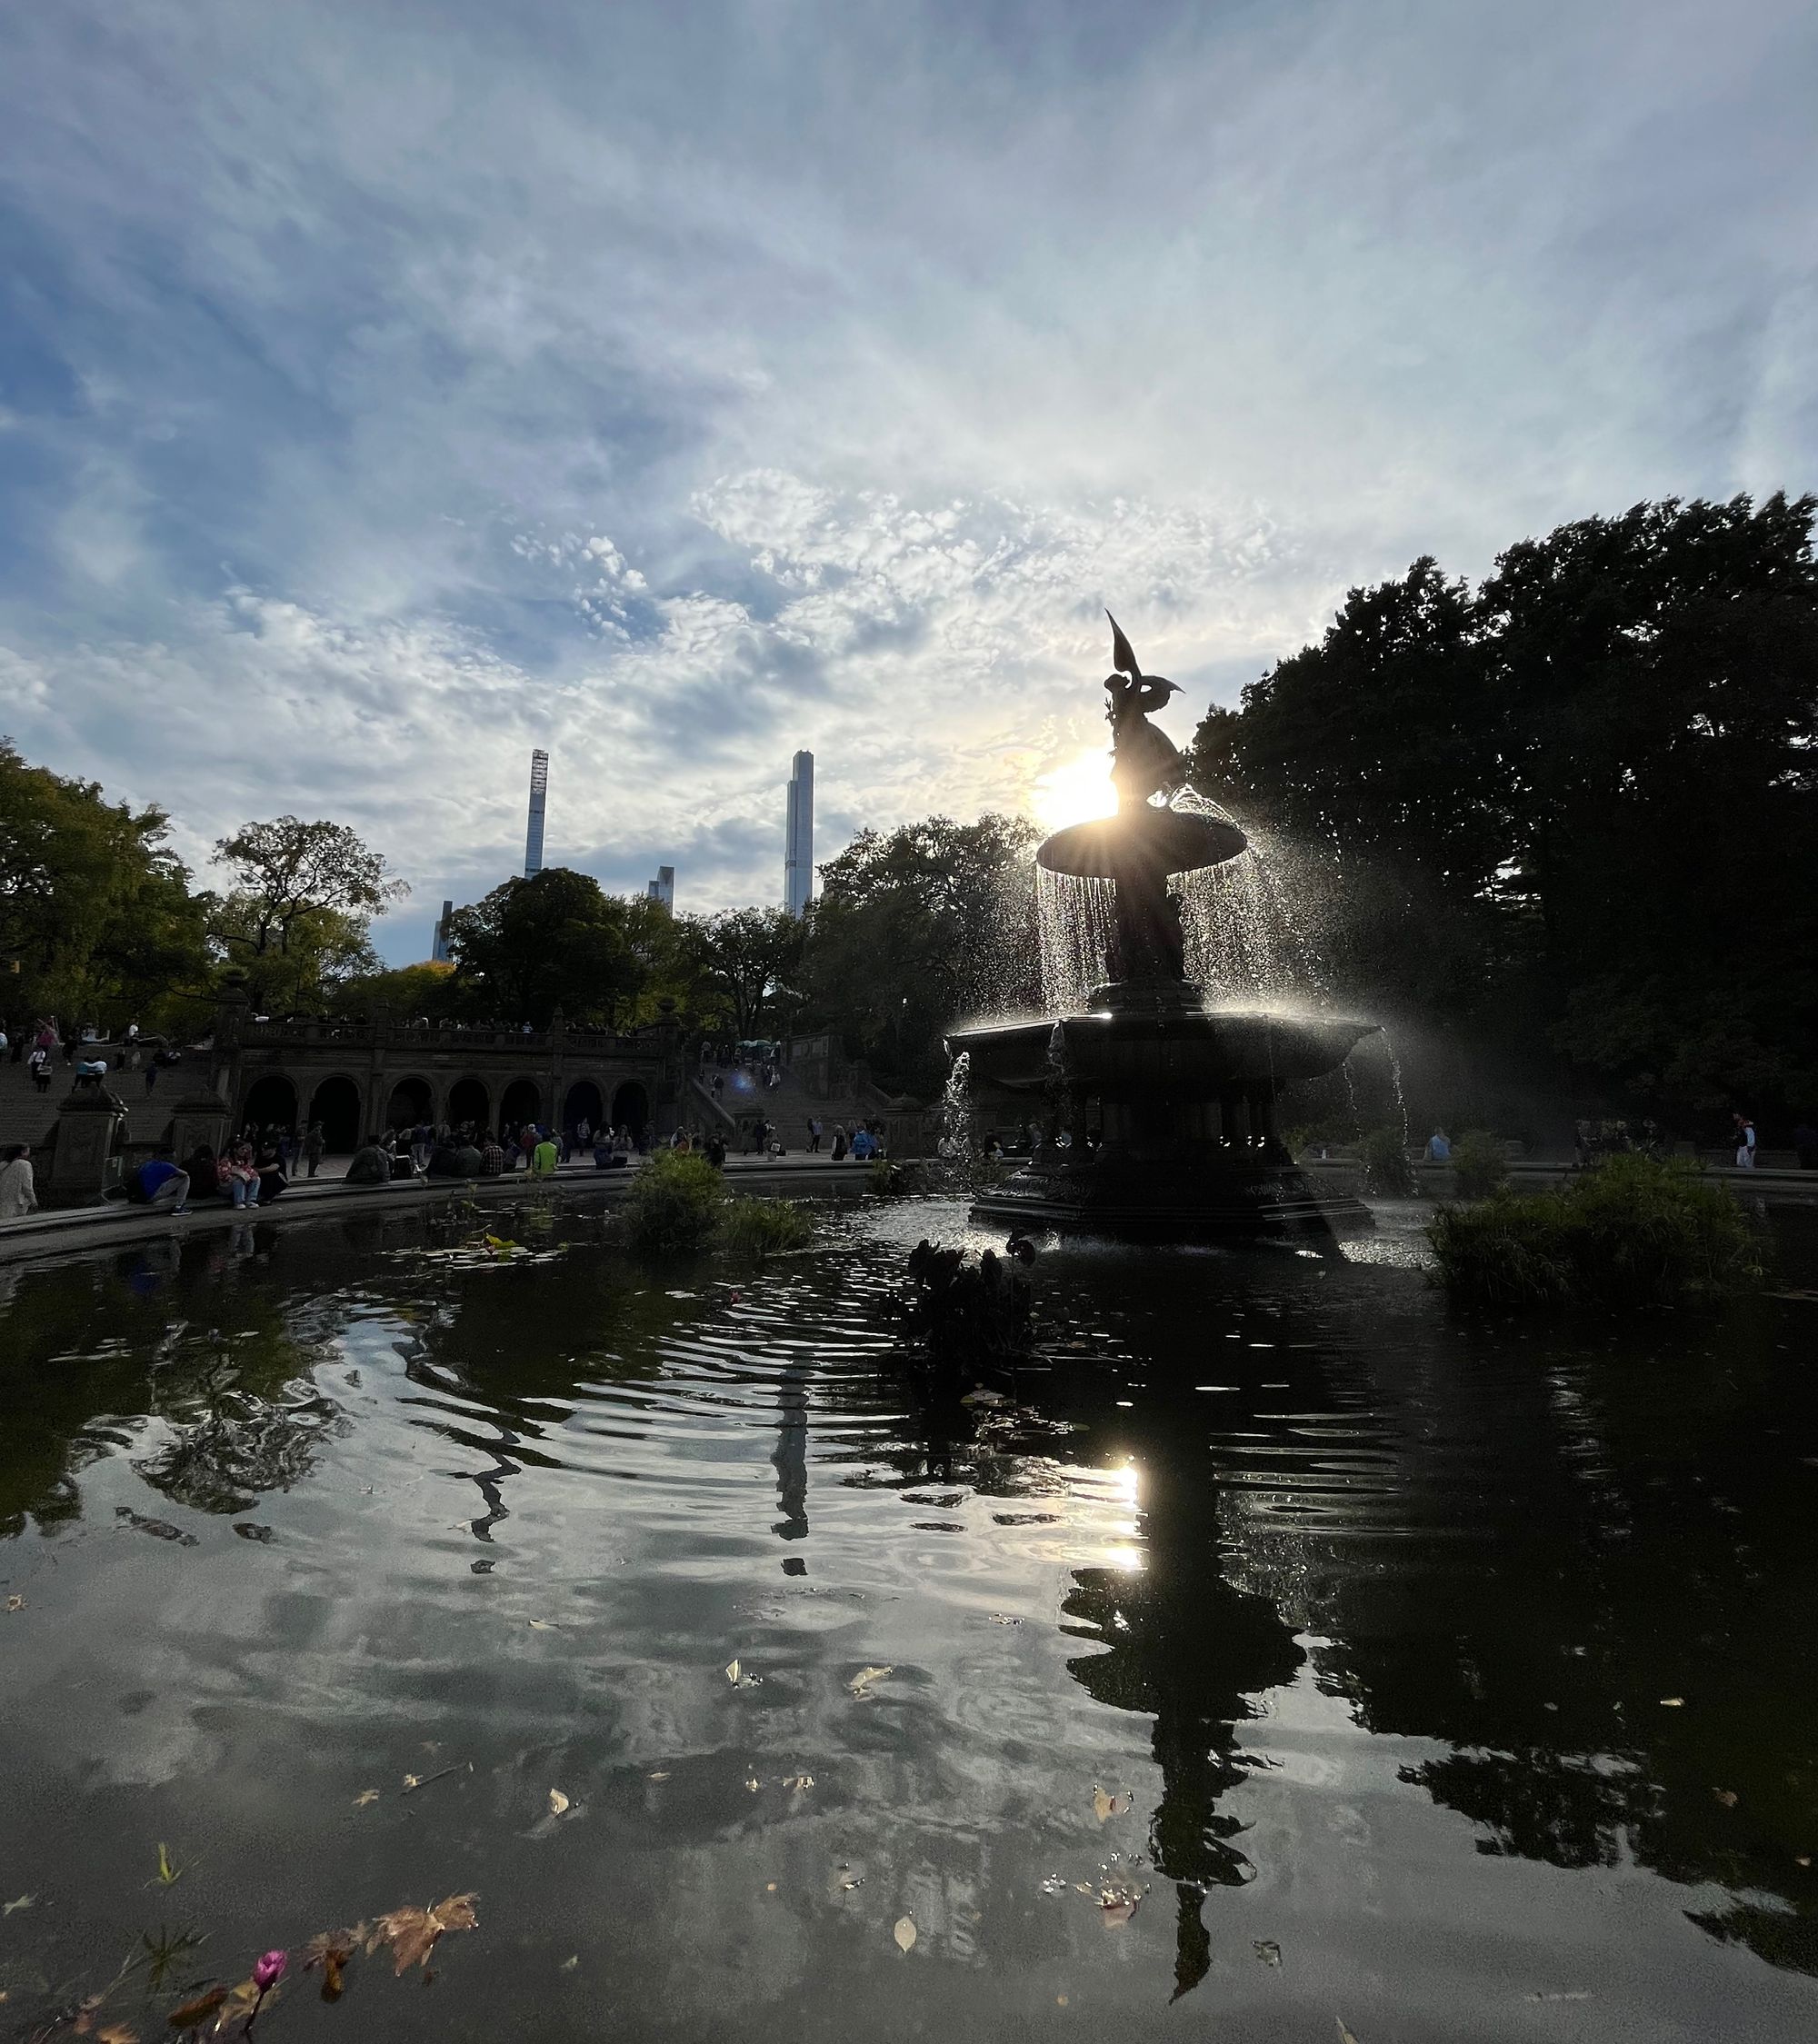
[(1144, 761)]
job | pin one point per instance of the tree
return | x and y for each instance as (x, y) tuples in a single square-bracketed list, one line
[(916, 929), (553, 941), (746, 957), (95, 915), (1577, 809)]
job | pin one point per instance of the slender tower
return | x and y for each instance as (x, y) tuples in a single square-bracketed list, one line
[(532, 837), (798, 850)]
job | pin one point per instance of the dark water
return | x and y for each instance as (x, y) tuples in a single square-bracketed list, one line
[(1371, 1615)]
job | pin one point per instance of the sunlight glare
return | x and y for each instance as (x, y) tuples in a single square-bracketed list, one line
[(1074, 791)]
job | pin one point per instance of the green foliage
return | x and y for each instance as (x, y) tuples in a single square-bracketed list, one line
[(406, 992), (758, 1227), (1387, 1173), (95, 907), (673, 1208), (1576, 807), (1478, 1164), (553, 941), (745, 961), (1631, 1232), (917, 928)]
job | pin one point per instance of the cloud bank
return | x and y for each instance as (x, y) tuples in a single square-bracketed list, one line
[(386, 389)]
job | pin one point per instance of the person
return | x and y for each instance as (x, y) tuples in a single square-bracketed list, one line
[(1745, 1142), (2, 1040), (132, 1034), (1438, 1147), (18, 1194), (202, 1170), (543, 1159), (40, 1064), (1805, 1143), (839, 1141), (268, 1162), (445, 1161), (863, 1145), (717, 1151), (160, 1182), (492, 1157), (813, 1136), (237, 1177), (583, 1135), (91, 1072), (314, 1143), (369, 1166), (151, 1064), (422, 1142)]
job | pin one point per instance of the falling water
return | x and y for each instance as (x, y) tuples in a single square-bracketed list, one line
[(956, 1108), (1078, 925)]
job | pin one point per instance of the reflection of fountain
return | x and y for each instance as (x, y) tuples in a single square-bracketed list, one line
[(1157, 1115)]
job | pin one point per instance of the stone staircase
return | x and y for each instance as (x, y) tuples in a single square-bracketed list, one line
[(787, 1106), (28, 1116)]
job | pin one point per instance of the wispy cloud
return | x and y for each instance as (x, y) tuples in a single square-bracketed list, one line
[(388, 389)]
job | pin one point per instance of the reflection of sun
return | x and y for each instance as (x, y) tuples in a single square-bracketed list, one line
[(1074, 791)]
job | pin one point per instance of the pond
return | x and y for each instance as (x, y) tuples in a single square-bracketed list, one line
[(1277, 1653)]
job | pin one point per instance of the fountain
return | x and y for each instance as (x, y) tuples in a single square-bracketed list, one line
[(1155, 1113)]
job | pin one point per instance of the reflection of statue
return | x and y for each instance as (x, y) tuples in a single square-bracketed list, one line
[(1145, 761)]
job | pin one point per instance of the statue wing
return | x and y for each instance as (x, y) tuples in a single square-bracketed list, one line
[(1122, 658)]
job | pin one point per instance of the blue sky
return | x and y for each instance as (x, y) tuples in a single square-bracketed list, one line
[(386, 389)]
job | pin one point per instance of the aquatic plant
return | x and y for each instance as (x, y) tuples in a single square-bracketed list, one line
[(1478, 1164), (759, 1227), (674, 1206), (1631, 1231), (1387, 1173)]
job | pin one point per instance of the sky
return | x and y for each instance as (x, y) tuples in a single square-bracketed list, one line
[(387, 388)]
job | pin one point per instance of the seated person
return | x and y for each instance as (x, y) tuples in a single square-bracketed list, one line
[(161, 1183), (91, 1071), (467, 1161), (492, 1158), (607, 1156), (269, 1165), (369, 1166), (201, 1166), (444, 1161)]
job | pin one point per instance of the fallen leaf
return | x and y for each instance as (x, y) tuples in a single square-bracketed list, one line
[(570, 1963), (1104, 1806), (1799, 1859), (1345, 2036), (998, 1617), (1672, 1704), (1727, 1797), (364, 1797), (1268, 1951), (733, 1672), (904, 1933), (861, 1683), (558, 1802), (753, 1783), (1118, 1905), (23, 1902), (661, 1774), (193, 2014), (798, 1782), (412, 1933), (412, 1781), (544, 1625), (15, 1603), (117, 2033), (330, 1951)]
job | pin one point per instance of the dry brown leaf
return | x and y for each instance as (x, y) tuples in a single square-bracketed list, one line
[(660, 1774), (1727, 1797), (330, 1950), (1268, 1951), (15, 1603), (798, 1782), (1104, 1806), (238, 2004), (412, 1932), (195, 2013), (733, 1672), (412, 1781), (1345, 2036), (544, 1625), (558, 1802), (904, 1933), (861, 1683), (364, 1797)]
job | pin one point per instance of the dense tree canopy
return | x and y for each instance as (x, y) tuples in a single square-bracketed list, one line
[(1576, 808)]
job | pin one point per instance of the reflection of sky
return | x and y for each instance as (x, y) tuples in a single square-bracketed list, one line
[(1349, 1581), (674, 388)]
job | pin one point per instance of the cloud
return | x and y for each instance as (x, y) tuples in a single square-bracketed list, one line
[(389, 391)]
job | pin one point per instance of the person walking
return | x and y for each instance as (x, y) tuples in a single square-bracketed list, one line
[(18, 1194), (814, 1136), (1745, 1142), (1438, 1148), (40, 1067), (543, 1159), (151, 1073), (315, 1145)]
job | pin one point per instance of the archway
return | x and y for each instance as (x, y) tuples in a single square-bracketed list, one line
[(271, 1099), (522, 1102), (631, 1107), (410, 1103), (468, 1100), (336, 1103), (583, 1104)]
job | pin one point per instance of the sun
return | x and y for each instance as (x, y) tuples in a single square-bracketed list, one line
[(1074, 791)]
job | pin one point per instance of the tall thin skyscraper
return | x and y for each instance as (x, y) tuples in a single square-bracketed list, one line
[(438, 949), (798, 848), (532, 837), (663, 888)]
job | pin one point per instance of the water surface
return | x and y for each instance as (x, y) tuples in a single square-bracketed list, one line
[(1460, 1678)]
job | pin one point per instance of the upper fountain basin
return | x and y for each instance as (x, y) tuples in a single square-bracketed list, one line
[(1172, 840)]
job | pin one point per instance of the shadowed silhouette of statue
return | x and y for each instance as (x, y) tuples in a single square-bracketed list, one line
[(1144, 762)]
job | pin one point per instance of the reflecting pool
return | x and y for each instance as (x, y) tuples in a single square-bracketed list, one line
[(1276, 1653)]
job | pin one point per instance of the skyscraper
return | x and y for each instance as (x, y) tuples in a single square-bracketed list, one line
[(798, 848), (663, 888), (438, 949), (532, 837)]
